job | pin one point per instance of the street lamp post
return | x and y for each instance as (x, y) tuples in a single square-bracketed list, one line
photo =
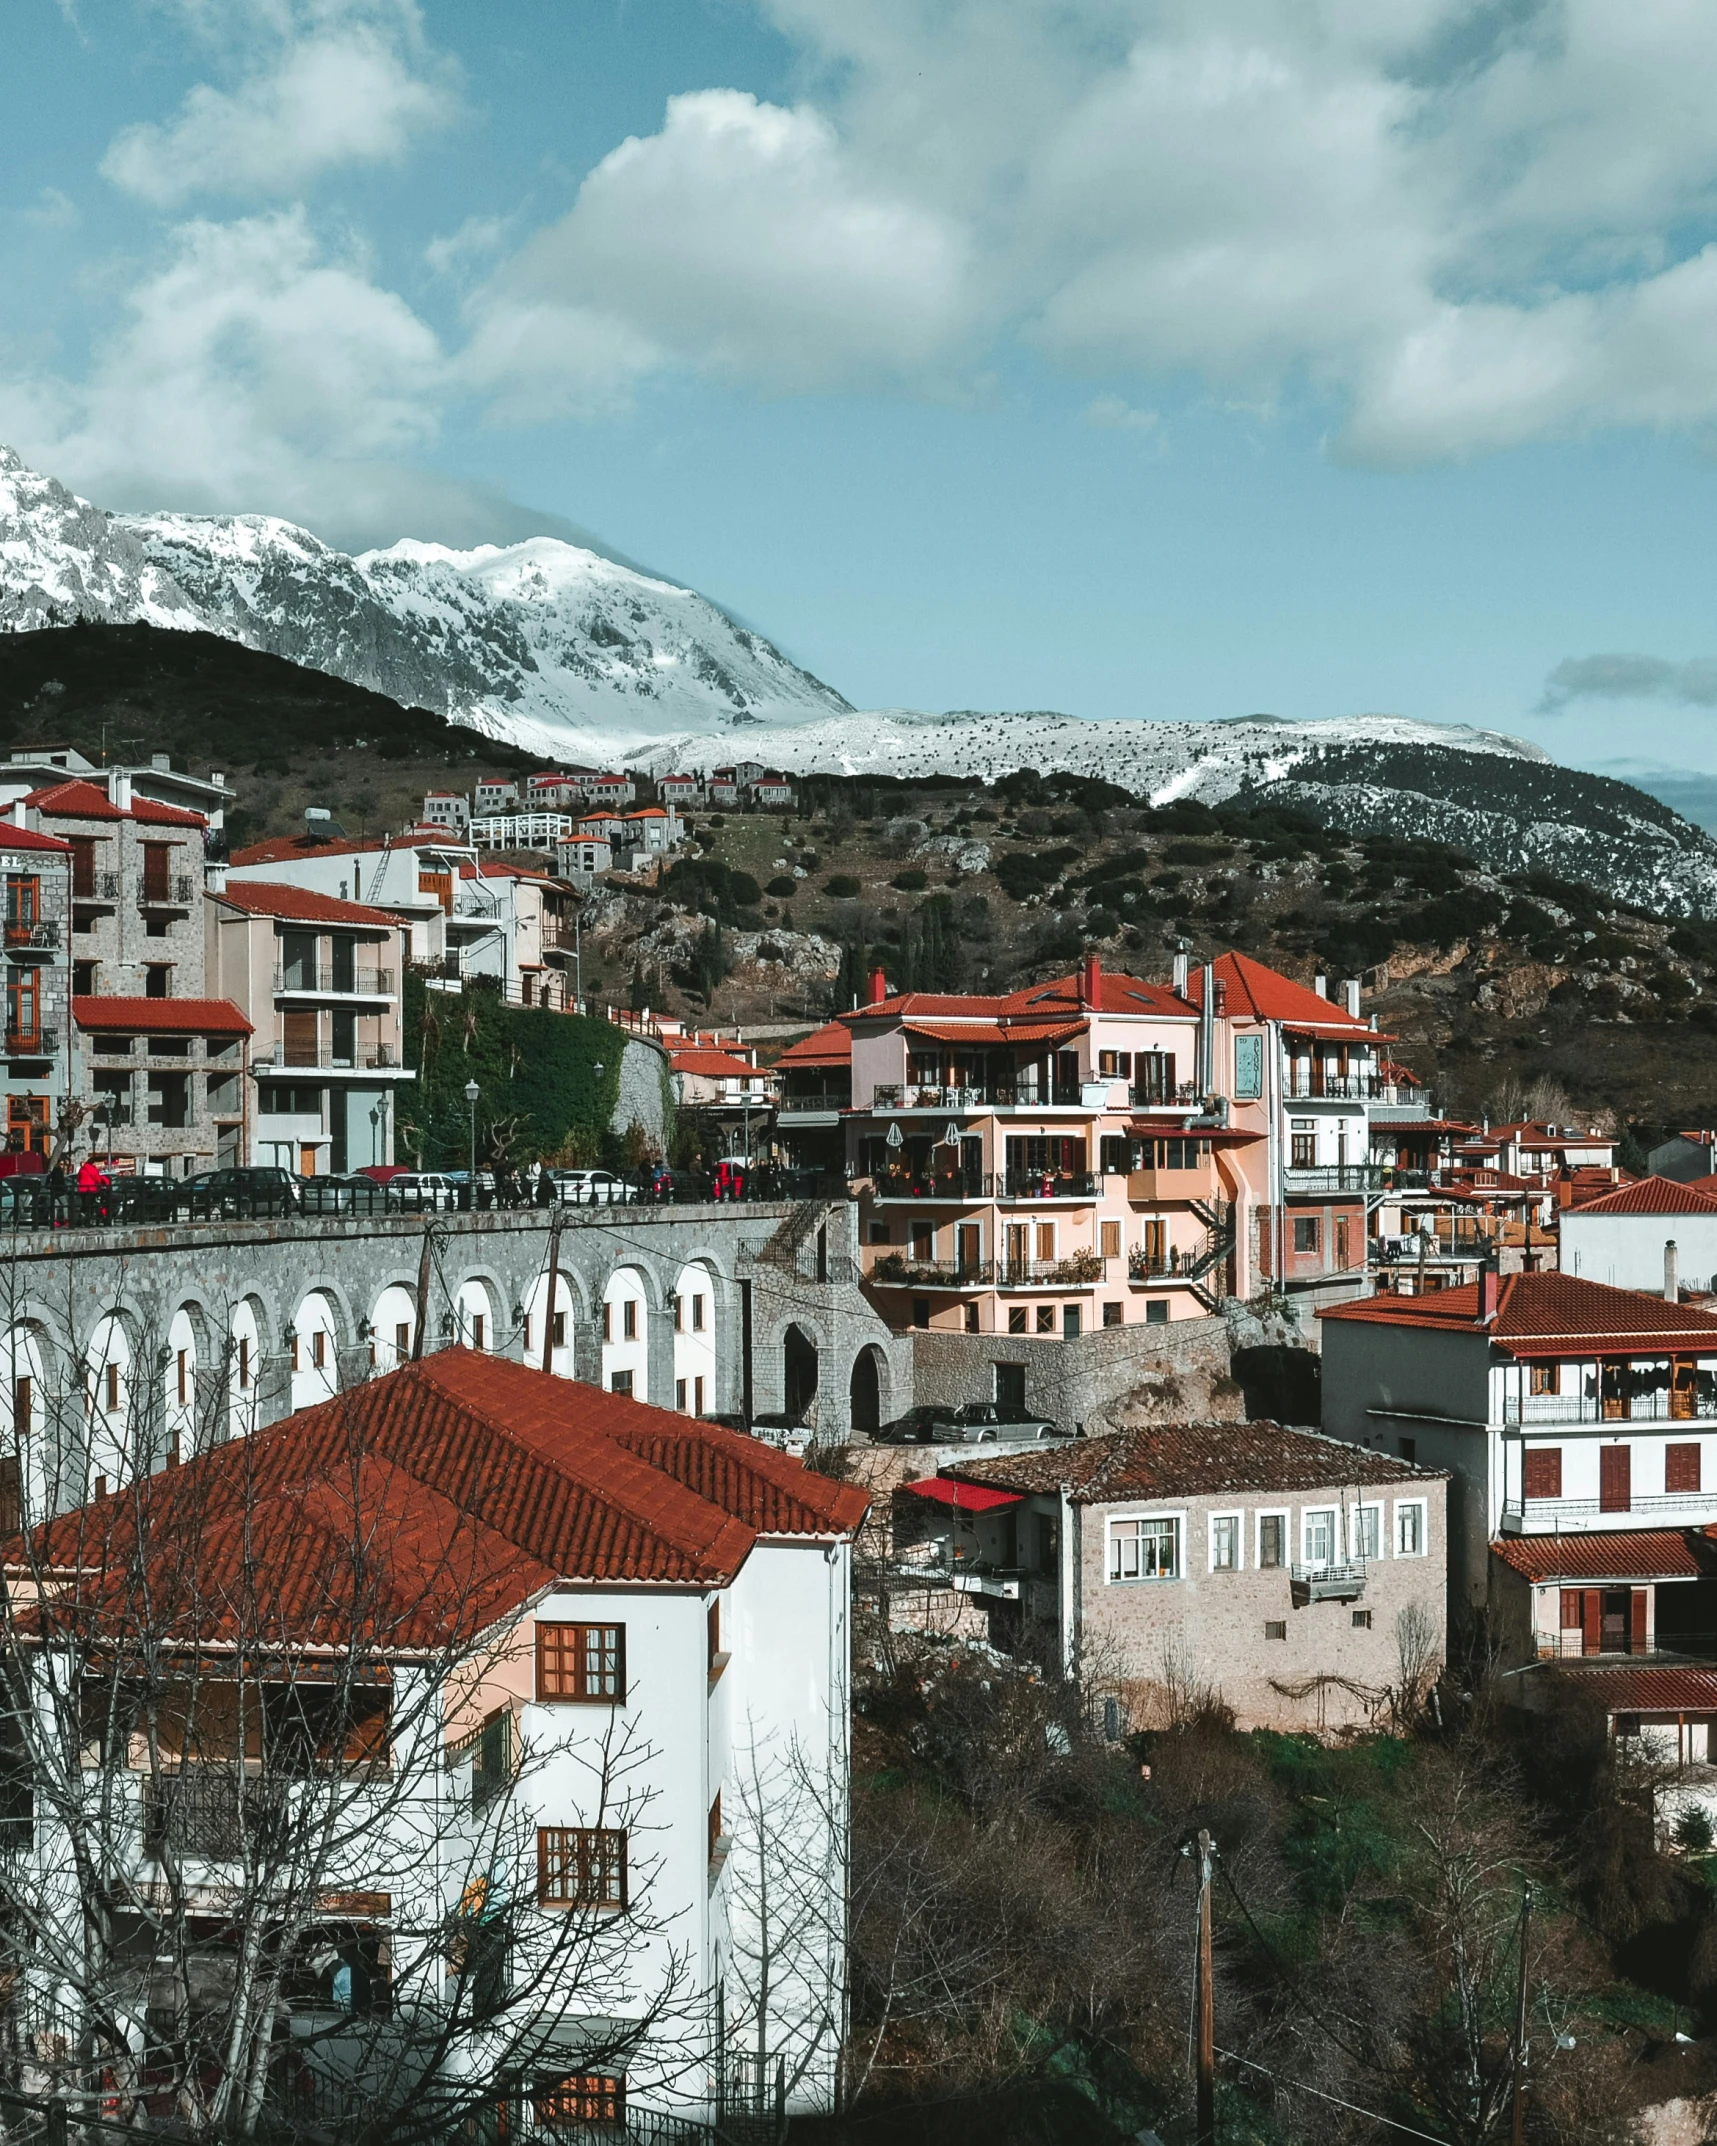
[(472, 1091)]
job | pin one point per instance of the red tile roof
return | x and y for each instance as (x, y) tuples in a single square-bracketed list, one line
[(78, 800), (1628, 1554), (282, 849), (715, 1065), (1055, 1001), (12, 836), (162, 1016), (271, 898), (994, 1032), (1651, 1196), (1548, 1315), (1264, 994), (829, 1046), (1648, 1691), (485, 1480), (1190, 1460)]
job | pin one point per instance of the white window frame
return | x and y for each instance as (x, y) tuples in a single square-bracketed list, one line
[(1309, 1513), (1368, 1505), (1239, 1520), (1403, 1505), (1285, 1515), (1177, 1520)]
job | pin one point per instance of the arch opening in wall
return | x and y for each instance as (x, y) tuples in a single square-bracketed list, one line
[(694, 1302), (563, 1317), (798, 1372), (108, 1390), (626, 1334), (393, 1328), (313, 1351), (29, 1461), (244, 1367), (865, 1390), (179, 1385), (474, 1323)]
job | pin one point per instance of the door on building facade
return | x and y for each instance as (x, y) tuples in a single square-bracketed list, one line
[(306, 1159), (1010, 1392), (157, 880), (27, 1124), (1682, 1382), (1615, 1479), (967, 1254), (301, 1038)]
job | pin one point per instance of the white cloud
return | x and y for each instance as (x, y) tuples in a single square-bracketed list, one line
[(1112, 414), (1462, 224), (1619, 677), (340, 85), (251, 370), (742, 238)]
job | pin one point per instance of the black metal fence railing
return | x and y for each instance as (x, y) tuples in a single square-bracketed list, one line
[(32, 1203)]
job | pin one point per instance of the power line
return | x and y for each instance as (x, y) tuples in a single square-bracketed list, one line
[(1299, 2087)]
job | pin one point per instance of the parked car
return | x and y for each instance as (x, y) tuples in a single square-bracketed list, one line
[(592, 1188), (788, 1434), (249, 1190), (422, 1191), (969, 1423)]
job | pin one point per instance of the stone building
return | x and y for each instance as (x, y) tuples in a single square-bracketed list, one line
[(1296, 1580), (37, 872)]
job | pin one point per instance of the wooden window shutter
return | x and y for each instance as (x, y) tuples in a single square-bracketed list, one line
[(1570, 1609), (1541, 1468), (1636, 1622), (1615, 1479), (1592, 1621), (1681, 1467)]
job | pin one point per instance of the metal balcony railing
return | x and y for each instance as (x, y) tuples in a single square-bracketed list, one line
[(902, 1184), (1651, 1406), (1048, 1185), (95, 886), (1163, 1094), (40, 936), (1354, 1177), (37, 1042), (213, 1812), (1549, 1516), (368, 1057), (1327, 1583), (823, 1099), (1300, 1085), (172, 892), (331, 982), (931, 1095)]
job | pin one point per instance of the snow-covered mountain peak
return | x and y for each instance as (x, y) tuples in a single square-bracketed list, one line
[(542, 642)]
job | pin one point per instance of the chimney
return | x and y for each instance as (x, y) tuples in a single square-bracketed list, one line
[(1091, 982), (215, 878), (119, 790), (1320, 984), (1182, 974), (1350, 992), (20, 813), (1671, 1274), (1489, 1288), (878, 987)]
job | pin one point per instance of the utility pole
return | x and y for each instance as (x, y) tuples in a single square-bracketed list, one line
[(554, 1228), (1517, 2114), (1206, 1997)]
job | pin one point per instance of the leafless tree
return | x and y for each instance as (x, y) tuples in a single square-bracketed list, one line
[(271, 1861)]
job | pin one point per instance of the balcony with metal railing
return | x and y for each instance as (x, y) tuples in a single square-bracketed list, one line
[(32, 935), (210, 1812), (1310, 1084), (171, 891), (322, 1057), (1648, 1404), (1307, 1180), (333, 981), (813, 1102), (93, 886), (1081, 1270), (1643, 1509), (1164, 1095), (921, 1095), (900, 1182), (1333, 1582), (39, 1041), (1048, 1185)]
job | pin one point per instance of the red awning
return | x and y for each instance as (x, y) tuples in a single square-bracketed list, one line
[(963, 1497)]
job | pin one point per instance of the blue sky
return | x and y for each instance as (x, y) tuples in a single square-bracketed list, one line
[(1128, 357)]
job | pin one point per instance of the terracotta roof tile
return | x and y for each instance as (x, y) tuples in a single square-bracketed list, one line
[(831, 1045), (1648, 1691), (1627, 1554), (272, 898), (12, 836), (1264, 993), (486, 1480), (1190, 1460), (1547, 1315), (1651, 1196), (79, 800), (162, 1016)]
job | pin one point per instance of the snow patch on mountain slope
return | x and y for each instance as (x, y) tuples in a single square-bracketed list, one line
[(541, 643)]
